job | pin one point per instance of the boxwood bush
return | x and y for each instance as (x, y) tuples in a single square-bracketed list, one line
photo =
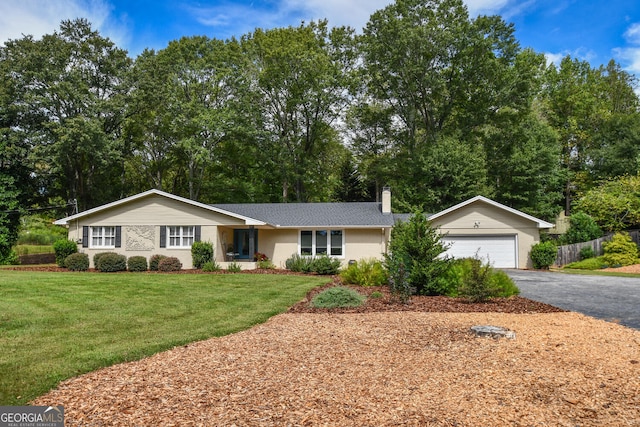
[(620, 251), (169, 264), (96, 257), (77, 262), (137, 263), (154, 261), (112, 262), (63, 248)]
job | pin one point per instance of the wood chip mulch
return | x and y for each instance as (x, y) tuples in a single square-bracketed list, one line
[(384, 364)]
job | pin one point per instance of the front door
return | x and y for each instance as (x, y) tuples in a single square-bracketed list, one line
[(241, 243)]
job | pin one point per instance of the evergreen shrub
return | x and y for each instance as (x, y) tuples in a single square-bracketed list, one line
[(586, 253), (338, 297), (137, 263), (77, 262), (543, 255), (111, 262), (620, 251), (201, 253), (63, 248), (96, 257)]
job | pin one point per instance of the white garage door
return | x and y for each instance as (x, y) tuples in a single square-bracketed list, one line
[(500, 251)]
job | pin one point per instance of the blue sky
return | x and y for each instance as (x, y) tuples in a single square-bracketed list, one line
[(592, 30)]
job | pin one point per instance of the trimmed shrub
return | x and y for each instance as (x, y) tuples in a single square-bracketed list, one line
[(169, 264), (201, 253), (96, 257), (137, 263), (325, 265), (338, 297), (63, 248), (234, 267), (620, 251), (11, 258), (112, 262), (77, 262), (210, 267), (154, 261), (586, 253), (365, 272), (543, 255)]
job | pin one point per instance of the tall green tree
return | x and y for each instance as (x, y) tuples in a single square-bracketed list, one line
[(69, 94), (302, 77)]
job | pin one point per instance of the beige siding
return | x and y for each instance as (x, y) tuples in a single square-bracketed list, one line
[(141, 221), (483, 219)]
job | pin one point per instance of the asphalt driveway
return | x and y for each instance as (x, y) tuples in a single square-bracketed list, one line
[(615, 299)]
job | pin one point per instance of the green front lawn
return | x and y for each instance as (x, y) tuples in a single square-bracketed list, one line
[(54, 326)]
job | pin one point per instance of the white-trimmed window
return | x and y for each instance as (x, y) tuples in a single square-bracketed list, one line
[(322, 242), (180, 236), (103, 237)]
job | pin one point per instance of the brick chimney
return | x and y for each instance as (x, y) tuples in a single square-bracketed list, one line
[(386, 200)]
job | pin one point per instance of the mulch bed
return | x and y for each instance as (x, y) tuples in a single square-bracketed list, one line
[(433, 304)]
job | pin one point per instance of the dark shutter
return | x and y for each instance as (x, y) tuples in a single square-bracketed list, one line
[(163, 236), (118, 236), (85, 236), (198, 233)]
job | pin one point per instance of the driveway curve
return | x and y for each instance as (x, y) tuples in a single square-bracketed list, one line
[(615, 299)]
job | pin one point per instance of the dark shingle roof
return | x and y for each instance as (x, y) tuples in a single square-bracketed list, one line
[(356, 214)]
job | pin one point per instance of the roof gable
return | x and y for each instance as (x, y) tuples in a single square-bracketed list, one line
[(117, 203), (539, 223)]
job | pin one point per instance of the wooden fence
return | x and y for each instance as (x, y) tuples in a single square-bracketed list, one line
[(571, 253)]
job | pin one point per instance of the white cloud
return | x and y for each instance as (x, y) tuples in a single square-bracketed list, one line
[(354, 13), (19, 18), (632, 35)]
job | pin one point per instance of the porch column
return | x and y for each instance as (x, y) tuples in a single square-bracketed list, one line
[(252, 242)]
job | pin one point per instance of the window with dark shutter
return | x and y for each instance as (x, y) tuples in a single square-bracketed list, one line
[(118, 236), (198, 233), (85, 236)]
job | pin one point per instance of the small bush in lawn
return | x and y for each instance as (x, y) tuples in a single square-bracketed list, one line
[(96, 257), (234, 267), (63, 248), (586, 253), (154, 261), (137, 263), (365, 272), (299, 264), (201, 253), (620, 251), (77, 262), (112, 262), (338, 297), (543, 255), (326, 265), (588, 264), (169, 264), (210, 267)]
